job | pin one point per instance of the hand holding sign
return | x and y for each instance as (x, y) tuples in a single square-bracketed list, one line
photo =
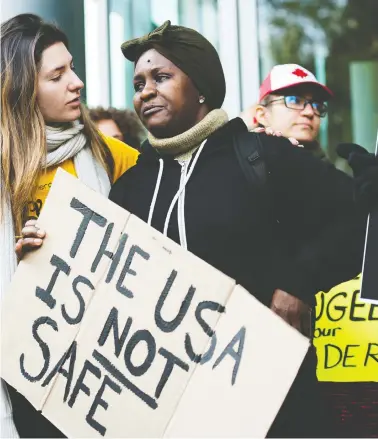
[(365, 171), (293, 310), (31, 238)]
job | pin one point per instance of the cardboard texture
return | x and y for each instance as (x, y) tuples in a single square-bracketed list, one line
[(272, 353), (112, 329)]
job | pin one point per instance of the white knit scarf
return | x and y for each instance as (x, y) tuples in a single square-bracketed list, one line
[(63, 142)]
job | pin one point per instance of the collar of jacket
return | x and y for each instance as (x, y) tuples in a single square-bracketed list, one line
[(315, 149), (219, 139)]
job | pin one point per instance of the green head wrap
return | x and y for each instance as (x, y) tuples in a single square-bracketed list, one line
[(190, 52)]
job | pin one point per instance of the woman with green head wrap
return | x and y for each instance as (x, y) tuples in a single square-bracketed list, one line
[(195, 86), (189, 184)]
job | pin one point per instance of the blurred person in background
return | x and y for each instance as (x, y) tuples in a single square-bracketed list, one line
[(43, 126), (123, 125), (292, 103)]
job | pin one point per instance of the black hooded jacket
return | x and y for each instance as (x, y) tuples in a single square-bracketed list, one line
[(303, 235)]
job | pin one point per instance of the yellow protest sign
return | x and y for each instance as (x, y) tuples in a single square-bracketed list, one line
[(346, 335)]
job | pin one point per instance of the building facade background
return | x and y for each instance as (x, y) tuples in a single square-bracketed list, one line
[(336, 39)]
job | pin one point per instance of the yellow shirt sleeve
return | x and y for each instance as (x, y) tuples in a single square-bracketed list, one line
[(124, 158), (43, 187)]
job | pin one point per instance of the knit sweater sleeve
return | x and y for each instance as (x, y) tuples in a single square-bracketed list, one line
[(313, 203)]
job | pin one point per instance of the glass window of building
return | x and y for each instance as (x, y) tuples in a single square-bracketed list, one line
[(133, 18), (338, 41)]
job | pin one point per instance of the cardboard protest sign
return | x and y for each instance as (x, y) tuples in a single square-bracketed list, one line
[(112, 329), (30, 312), (346, 335), (150, 366), (216, 404)]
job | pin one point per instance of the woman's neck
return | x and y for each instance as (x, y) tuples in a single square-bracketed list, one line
[(191, 138)]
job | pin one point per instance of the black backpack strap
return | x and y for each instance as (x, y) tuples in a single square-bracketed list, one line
[(248, 148)]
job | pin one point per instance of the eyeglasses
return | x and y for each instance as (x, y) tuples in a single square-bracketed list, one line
[(299, 103)]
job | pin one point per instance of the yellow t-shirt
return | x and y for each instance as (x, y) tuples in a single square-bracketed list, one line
[(124, 158)]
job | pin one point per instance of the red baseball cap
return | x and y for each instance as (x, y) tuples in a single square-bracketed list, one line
[(289, 75)]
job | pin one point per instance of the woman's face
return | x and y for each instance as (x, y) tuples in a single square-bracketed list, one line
[(166, 100), (58, 92)]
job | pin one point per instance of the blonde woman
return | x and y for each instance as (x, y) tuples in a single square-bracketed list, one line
[(43, 126)]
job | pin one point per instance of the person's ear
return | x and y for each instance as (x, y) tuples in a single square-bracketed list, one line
[(249, 117), (261, 115)]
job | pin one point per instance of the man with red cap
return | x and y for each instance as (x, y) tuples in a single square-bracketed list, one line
[(291, 102)]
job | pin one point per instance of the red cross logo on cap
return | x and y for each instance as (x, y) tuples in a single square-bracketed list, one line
[(299, 72)]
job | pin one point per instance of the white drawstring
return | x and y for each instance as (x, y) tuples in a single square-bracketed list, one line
[(157, 187), (183, 183), (181, 207), (181, 192)]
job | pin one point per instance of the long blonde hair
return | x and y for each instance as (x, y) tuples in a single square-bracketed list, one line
[(23, 129)]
